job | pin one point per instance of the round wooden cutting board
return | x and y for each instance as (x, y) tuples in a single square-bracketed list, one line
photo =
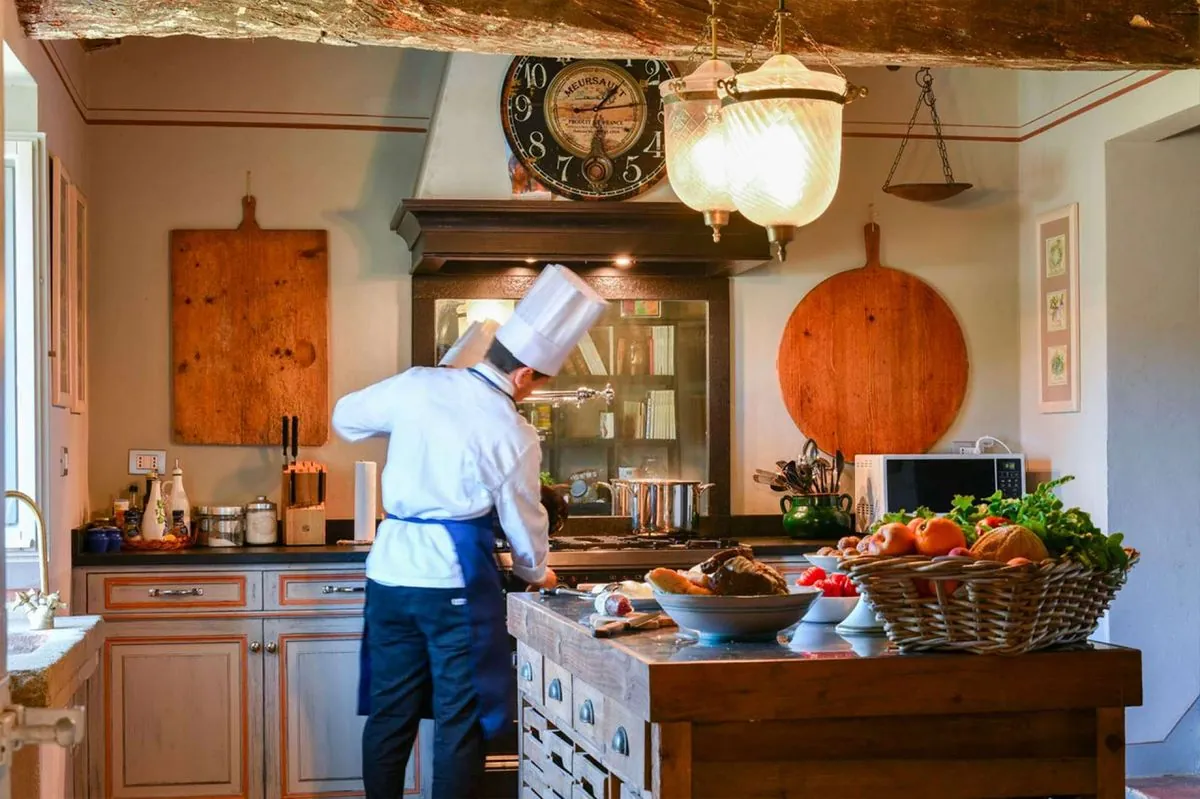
[(873, 361)]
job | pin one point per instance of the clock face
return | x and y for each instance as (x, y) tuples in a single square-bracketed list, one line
[(588, 130)]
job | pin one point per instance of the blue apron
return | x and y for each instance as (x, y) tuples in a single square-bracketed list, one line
[(491, 650)]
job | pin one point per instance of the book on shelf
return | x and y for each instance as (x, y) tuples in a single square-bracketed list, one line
[(662, 350), (653, 418)]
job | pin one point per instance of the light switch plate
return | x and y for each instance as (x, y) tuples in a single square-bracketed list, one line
[(144, 461)]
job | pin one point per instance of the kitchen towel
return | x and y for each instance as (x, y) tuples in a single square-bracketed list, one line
[(366, 513)]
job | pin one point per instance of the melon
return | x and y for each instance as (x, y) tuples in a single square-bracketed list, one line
[(1008, 542)]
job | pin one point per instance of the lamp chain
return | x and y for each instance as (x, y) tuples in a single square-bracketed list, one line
[(924, 79)]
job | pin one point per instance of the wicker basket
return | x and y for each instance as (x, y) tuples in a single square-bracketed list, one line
[(158, 544), (984, 607)]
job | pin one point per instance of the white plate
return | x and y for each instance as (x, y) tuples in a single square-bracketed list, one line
[(718, 619), (827, 562), (830, 609)]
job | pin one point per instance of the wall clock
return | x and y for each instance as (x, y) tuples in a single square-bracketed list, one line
[(587, 129)]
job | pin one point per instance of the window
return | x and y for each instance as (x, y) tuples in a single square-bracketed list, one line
[(22, 318)]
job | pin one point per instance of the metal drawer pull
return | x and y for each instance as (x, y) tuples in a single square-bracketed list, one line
[(343, 589), (527, 672), (176, 592), (587, 713), (555, 690), (620, 742)]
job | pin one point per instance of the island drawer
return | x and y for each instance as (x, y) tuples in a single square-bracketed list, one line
[(591, 780), (559, 705), (624, 737), (313, 590), (531, 776), (557, 779), (173, 591), (560, 750), (627, 792), (588, 712), (529, 672)]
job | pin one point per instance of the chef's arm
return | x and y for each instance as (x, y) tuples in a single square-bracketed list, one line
[(368, 412), (518, 502)]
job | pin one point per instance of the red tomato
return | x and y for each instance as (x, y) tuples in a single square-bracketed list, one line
[(990, 523), (810, 576)]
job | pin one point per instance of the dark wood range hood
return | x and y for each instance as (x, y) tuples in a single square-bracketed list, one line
[(489, 236)]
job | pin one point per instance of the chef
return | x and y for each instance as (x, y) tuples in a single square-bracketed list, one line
[(459, 453)]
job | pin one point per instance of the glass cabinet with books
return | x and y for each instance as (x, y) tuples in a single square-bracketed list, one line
[(654, 350)]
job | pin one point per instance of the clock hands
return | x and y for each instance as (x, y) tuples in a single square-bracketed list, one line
[(586, 109), (607, 96)]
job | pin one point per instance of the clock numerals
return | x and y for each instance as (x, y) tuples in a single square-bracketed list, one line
[(522, 108), (633, 172), (654, 149), (537, 145), (564, 163), (535, 75)]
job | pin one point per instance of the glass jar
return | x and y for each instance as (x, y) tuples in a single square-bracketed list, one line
[(221, 525), (262, 527)]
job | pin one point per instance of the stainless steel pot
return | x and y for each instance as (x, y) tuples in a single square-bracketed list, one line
[(659, 507)]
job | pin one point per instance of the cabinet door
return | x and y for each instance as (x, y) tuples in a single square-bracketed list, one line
[(183, 710), (314, 737)]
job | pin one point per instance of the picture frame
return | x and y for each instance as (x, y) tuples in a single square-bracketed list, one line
[(79, 293), (1058, 310), (641, 309), (61, 352)]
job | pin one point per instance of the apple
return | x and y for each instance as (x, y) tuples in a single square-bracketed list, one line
[(959, 552), (895, 539)]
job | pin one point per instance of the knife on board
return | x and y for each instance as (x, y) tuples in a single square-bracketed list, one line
[(609, 629)]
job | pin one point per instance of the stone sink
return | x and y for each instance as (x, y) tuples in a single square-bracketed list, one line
[(24, 643), (42, 664)]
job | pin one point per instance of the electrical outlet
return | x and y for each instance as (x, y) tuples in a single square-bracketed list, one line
[(964, 448), (64, 463), (144, 461)]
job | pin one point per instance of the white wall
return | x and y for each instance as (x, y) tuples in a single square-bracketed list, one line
[(1061, 165), (339, 159), (60, 118)]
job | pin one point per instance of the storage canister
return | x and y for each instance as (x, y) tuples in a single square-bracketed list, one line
[(261, 522), (220, 525)]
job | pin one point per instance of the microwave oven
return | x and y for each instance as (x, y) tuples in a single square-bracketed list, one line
[(891, 483)]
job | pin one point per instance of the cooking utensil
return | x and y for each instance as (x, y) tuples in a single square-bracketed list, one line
[(559, 590), (839, 464), (628, 623), (664, 507), (295, 438), (854, 348), (285, 441)]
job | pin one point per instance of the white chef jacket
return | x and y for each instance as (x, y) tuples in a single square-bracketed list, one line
[(457, 449)]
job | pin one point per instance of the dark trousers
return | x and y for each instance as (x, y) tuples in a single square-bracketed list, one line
[(419, 641)]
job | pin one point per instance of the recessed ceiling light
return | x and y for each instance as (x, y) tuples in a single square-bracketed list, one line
[(531, 260), (623, 261)]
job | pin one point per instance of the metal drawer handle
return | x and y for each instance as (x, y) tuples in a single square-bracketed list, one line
[(620, 742), (527, 672), (156, 592), (587, 713), (555, 690), (343, 589)]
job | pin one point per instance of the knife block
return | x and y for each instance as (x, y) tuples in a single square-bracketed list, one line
[(304, 526)]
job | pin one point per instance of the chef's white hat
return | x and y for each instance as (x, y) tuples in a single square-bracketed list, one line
[(472, 345), (551, 318)]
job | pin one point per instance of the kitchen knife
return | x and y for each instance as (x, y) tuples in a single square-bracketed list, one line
[(285, 443), (560, 591), (622, 625), (295, 437)]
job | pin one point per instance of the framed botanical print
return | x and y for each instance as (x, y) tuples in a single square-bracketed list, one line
[(1058, 310), (79, 293), (62, 296)]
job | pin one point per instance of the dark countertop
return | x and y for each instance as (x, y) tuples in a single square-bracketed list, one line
[(334, 554)]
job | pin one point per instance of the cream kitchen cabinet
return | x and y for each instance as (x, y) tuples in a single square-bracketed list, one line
[(254, 699)]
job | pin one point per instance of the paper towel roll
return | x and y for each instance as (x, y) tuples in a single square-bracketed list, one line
[(365, 506)]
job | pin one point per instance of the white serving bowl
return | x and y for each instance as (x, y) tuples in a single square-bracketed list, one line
[(830, 609), (829, 563), (717, 619)]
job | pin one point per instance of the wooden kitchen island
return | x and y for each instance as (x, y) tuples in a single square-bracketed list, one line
[(655, 714)]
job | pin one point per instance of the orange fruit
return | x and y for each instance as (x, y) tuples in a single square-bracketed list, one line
[(916, 523), (939, 536), (896, 539)]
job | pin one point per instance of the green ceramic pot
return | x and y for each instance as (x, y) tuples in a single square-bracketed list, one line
[(817, 516)]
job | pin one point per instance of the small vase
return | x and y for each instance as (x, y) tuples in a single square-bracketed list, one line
[(41, 618)]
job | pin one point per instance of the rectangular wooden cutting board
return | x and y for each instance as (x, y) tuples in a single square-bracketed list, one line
[(249, 333)]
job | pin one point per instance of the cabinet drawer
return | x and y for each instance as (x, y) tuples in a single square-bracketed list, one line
[(591, 780), (529, 672), (173, 591), (317, 589), (558, 782), (629, 793), (624, 736), (588, 711), (529, 793), (535, 722), (531, 775), (558, 703), (560, 751)]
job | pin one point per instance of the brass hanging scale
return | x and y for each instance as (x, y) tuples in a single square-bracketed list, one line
[(925, 192)]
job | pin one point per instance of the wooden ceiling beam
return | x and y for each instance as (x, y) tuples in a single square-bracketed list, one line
[(1036, 34)]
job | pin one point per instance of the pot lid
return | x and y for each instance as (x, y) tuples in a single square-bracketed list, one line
[(260, 504), (219, 510)]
